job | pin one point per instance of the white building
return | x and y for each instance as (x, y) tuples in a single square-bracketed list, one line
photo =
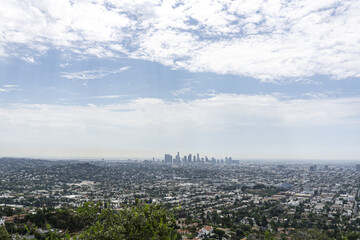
[(207, 230)]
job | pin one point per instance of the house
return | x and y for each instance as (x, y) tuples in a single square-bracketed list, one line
[(182, 232), (206, 230), (2, 221), (9, 219)]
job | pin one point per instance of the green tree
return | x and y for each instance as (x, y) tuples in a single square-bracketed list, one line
[(353, 236), (219, 233), (4, 235), (268, 236), (141, 221)]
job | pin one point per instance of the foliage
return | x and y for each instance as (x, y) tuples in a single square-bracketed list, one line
[(141, 221), (219, 233), (4, 235)]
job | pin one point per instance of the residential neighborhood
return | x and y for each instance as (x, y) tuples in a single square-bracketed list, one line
[(231, 198)]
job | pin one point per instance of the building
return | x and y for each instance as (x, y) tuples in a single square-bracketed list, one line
[(313, 168), (168, 158), (206, 231), (358, 167), (177, 158)]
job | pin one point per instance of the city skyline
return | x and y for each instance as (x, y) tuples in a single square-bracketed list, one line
[(250, 79)]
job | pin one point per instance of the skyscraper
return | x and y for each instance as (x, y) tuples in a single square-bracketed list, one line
[(177, 158), (168, 158)]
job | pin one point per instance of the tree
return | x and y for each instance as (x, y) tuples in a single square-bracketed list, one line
[(353, 236), (268, 236), (141, 221), (4, 235), (219, 233), (240, 233)]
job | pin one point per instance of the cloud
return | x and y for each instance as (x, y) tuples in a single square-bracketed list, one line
[(29, 60), (92, 74), (182, 91), (187, 88), (217, 111), (9, 87), (268, 40), (254, 126), (109, 96)]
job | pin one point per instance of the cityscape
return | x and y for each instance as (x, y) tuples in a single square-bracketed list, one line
[(196, 159), (228, 199), (180, 120)]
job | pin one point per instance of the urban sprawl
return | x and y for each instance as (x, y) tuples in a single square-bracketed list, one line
[(219, 198)]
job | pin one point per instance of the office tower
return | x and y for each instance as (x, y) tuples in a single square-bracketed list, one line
[(189, 158), (197, 157), (168, 158), (177, 158)]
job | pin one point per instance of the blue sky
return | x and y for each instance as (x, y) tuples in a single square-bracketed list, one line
[(118, 79)]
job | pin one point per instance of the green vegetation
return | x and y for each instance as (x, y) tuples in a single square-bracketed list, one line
[(94, 221), (4, 235), (142, 221)]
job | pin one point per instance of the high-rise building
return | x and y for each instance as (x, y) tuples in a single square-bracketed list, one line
[(358, 167), (189, 158), (177, 158), (228, 160), (197, 157), (168, 158)]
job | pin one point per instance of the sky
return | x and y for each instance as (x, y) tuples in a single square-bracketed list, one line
[(114, 79)]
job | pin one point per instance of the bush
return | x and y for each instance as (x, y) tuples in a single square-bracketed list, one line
[(141, 221)]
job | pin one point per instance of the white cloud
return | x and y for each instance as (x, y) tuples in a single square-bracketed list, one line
[(9, 87), (109, 96), (268, 40), (29, 60), (187, 88), (220, 110), (92, 74), (182, 91), (266, 126)]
